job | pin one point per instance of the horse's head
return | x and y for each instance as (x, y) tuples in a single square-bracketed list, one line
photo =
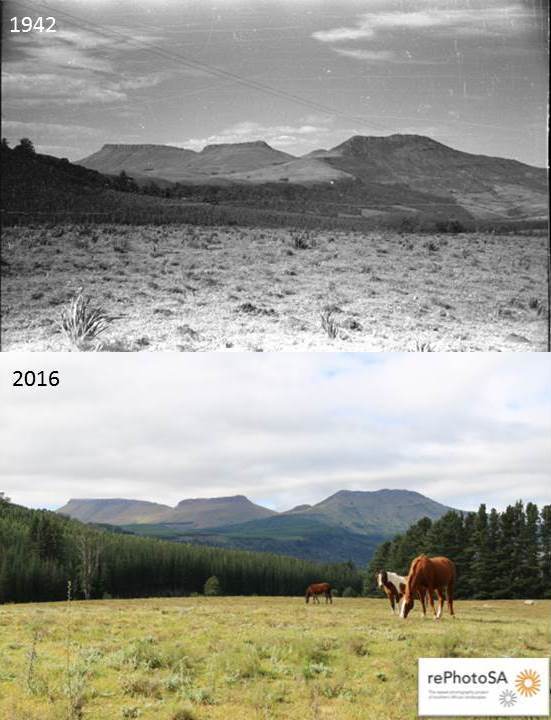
[(407, 601), (381, 578)]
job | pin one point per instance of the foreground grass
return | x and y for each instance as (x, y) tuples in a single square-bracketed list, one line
[(228, 288), (240, 658)]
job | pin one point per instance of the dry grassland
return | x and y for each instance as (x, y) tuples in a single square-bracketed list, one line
[(191, 288)]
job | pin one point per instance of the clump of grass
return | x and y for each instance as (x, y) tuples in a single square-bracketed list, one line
[(358, 646), (329, 322), (423, 346), (184, 714), (83, 322), (140, 686), (303, 241), (537, 305)]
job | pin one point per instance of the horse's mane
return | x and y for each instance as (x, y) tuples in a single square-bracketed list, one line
[(413, 571)]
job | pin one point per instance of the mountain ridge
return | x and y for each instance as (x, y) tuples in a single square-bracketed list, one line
[(475, 186)]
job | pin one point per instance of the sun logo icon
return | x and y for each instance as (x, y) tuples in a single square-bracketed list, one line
[(528, 683), (507, 698)]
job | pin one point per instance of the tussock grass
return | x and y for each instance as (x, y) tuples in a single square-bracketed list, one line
[(83, 322), (329, 322)]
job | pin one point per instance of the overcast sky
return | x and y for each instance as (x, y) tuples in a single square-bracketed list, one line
[(281, 428), (300, 74)]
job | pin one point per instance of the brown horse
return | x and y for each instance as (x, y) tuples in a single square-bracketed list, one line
[(429, 575), (316, 589)]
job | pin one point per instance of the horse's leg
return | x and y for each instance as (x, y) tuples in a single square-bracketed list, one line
[(449, 593), (392, 603), (421, 594), (431, 599), (440, 603)]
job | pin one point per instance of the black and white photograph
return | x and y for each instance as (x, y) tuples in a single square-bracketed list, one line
[(266, 175)]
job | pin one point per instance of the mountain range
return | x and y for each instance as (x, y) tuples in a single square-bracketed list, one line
[(348, 525), (398, 173)]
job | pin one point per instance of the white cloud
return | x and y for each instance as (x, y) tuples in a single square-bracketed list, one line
[(477, 18), (373, 55), (278, 135), (281, 428)]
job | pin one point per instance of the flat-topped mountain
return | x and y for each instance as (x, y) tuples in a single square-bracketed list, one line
[(183, 165), (115, 511), (406, 173), (346, 525), (193, 512)]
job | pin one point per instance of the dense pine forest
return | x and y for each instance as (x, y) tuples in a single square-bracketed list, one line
[(498, 555), (41, 551)]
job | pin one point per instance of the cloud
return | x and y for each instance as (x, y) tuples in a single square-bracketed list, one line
[(374, 55), (281, 428), (279, 135), (484, 18), (388, 25), (76, 67)]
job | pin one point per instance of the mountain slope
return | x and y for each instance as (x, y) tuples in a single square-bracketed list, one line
[(345, 526), (181, 165), (394, 171), (485, 186), (380, 511), (115, 511), (211, 512), (192, 513)]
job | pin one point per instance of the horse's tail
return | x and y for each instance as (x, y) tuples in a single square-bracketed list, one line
[(308, 593)]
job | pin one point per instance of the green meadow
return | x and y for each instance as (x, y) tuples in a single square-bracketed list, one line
[(243, 658)]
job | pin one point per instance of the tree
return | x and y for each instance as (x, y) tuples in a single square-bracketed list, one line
[(26, 145), (349, 592), (212, 586), (5, 144), (545, 537), (4, 499), (89, 547)]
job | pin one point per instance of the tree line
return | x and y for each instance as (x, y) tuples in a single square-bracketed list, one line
[(40, 552), (498, 555)]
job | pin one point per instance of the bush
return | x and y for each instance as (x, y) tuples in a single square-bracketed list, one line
[(212, 586)]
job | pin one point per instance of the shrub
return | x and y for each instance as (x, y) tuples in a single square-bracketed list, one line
[(212, 586)]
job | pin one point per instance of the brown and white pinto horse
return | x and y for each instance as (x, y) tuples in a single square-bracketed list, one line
[(392, 585), (429, 575), (316, 589)]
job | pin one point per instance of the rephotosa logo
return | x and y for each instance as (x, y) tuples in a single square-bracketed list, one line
[(528, 683), (484, 686)]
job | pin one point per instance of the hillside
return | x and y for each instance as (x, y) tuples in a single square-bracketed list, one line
[(382, 511), (181, 165), (211, 512), (407, 174), (345, 526), (41, 551), (114, 511), (192, 513)]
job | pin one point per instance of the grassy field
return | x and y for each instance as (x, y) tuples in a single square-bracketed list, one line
[(240, 658), (196, 288)]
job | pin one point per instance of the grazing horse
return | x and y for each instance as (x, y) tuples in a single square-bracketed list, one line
[(429, 575), (393, 587), (316, 589)]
